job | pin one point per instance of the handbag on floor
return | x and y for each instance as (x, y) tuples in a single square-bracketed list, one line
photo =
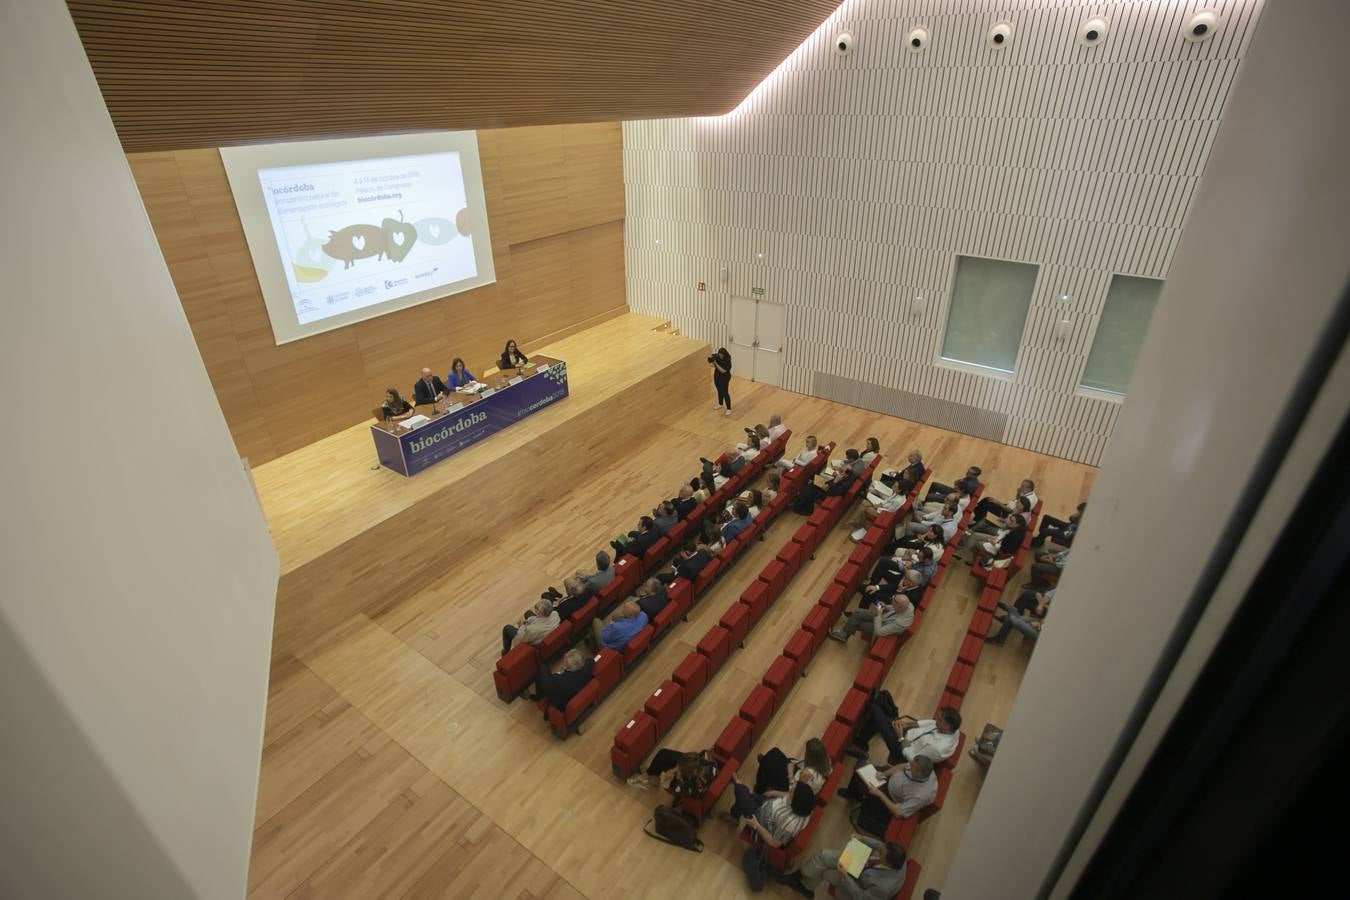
[(674, 827), (756, 871)]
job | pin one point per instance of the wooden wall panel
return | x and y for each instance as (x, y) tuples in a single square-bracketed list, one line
[(861, 178), (211, 73), (555, 200)]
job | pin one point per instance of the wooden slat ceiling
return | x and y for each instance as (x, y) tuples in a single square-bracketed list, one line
[(205, 73)]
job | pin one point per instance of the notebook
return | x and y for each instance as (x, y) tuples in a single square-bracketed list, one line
[(868, 773), (854, 856)]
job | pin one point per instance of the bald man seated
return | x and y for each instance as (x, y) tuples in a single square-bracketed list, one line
[(429, 388)]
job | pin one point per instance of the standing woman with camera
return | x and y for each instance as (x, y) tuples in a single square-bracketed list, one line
[(721, 363)]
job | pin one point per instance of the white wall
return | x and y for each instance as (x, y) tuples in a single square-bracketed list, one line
[(1259, 275), (139, 579), (862, 177)]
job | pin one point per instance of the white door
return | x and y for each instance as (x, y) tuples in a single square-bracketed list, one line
[(769, 342), (742, 337)]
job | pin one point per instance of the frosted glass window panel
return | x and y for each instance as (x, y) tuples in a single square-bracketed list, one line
[(990, 299), (1120, 333)]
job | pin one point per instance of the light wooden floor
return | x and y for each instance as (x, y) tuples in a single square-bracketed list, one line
[(390, 769)]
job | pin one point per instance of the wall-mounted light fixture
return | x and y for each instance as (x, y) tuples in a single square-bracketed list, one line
[(724, 274), (918, 304), (1064, 326)]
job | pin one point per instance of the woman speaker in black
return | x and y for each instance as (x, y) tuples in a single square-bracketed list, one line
[(721, 363)]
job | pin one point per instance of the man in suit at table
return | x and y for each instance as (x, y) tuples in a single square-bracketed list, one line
[(428, 389)]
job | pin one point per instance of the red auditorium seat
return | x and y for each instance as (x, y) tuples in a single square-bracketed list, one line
[(775, 575), (970, 649), (702, 807), (632, 744), (681, 593), (887, 519), (677, 532), (569, 720), (697, 514), (780, 675), (836, 738), (850, 576), (736, 620), (627, 574), (989, 598), (958, 682), (944, 777), (820, 521), (665, 705), (800, 648), (657, 552), (809, 537), (729, 551), (979, 623), (791, 557), (851, 709), (869, 676), (664, 620), (756, 597), (692, 674), (928, 594), (780, 860), (734, 741), (818, 622), (608, 670), (515, 671), (831, 785), (557, 640), (835, 599), (912, 869), (706, 576), (716, 646), (901, 831), (883, 650), (757, 710), (639, 644), (863, 555), (950, 699), (951, 761), (998, 579), (582, 618), (774, 508)]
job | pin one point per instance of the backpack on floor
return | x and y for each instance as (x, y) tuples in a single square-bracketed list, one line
[(805, 502), (674, 827)]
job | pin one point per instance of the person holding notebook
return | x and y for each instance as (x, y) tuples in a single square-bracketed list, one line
[(881, 875)]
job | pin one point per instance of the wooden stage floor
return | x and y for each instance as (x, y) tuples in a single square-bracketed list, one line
[(390, 768)]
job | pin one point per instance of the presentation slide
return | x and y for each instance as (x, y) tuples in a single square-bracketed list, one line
[(336, 241)]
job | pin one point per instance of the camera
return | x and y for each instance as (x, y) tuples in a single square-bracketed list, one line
[(1200, 27), (843, 45), (1000, 35), (1092, 31), (918, 40)]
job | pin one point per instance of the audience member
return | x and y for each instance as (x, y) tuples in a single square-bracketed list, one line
[(558, 688), (684, 774), (620, 627), (987, 505), (949, 509), (688, 562), (738, 524), (532, 627), (1028, 624), (967, 484), (902, 481), (603, 574), (1047, 568), (1058, 531), (1004, 544), (907, 737), (664, 517), (773, 484), (882, 877), (575, 596), (637, 542), (803, 457), (651, 597), (776, 427), (685, 501), (881, 619), (776, 820), (778, 773), (871, 450), (908, 788)]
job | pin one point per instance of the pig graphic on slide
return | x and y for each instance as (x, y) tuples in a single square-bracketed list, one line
[(355, 242)]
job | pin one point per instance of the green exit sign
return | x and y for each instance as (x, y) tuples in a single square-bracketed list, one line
[(758, 292)]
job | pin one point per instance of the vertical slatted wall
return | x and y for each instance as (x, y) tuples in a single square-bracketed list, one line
[(860, 178)]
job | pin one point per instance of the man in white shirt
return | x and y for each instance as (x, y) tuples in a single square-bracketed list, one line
[(907, 737), (807, 454), (776, 427), (949, 510), (1026, 490)]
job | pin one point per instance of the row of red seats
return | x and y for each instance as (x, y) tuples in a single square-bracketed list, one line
[(880, 656), (516, 670), (667, 703), (683, 594)]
